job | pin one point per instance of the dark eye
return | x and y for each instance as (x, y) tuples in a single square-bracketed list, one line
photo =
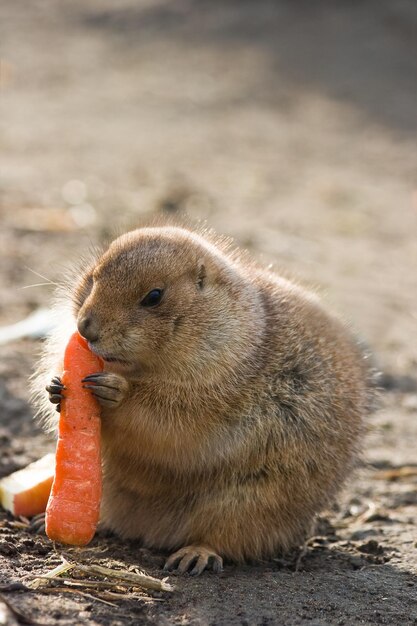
[(152, 298)]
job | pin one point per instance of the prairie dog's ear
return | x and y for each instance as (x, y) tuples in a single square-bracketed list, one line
[(201, 274)]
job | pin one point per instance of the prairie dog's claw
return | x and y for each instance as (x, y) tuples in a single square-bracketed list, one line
[(108, 388), (55, 389), (194, 559), (37, 524)]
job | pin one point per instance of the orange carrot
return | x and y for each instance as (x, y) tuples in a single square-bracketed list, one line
[(26, 491), (74, 504)]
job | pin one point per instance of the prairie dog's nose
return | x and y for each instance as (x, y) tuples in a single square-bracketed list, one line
[(88, 327)]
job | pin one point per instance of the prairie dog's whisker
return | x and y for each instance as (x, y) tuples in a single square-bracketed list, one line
[(37, 285), (49, 281)]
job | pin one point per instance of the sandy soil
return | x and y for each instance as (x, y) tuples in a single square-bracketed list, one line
[(290, 126)]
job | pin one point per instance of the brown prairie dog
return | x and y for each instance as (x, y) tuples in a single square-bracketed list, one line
[(232, 403)]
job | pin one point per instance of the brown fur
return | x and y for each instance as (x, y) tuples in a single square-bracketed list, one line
[(242, 400)]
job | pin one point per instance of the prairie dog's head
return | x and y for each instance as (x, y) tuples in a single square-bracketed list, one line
[(161, 298)]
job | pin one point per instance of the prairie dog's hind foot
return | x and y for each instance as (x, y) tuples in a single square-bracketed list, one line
[(108, 388), (194, 559)]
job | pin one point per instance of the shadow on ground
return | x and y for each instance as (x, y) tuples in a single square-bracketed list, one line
[(335, 48)]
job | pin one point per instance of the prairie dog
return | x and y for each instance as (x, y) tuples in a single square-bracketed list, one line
[(232, 402)]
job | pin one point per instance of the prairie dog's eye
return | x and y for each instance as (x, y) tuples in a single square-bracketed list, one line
[(152, 298)]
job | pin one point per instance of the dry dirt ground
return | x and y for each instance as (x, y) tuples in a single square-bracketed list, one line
[(288, 125)]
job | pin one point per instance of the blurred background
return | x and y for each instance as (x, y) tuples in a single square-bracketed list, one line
[(288, 125)]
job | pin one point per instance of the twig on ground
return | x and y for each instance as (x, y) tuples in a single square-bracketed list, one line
[(405, 471), (65, 566), (139, 580), (77, 591), (303, 552), (123, 584)]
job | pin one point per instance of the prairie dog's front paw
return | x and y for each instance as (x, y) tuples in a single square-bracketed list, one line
[(55, 389), (110, 389)]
